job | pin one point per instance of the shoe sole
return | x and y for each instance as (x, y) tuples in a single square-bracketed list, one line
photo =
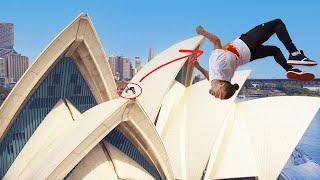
[(301, 63), (301, 77)]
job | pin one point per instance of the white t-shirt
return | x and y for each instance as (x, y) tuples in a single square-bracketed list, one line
[(223, 64)]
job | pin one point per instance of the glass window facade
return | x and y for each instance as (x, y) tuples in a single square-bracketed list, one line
[(180, 75), (120, 141), (64, 81)]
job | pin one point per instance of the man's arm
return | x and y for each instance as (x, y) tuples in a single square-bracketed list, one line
[(213, 38), (201, 69)]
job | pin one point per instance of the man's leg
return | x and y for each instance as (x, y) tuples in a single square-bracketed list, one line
[(292, 73), (265, 51), (261, 33), (283, 35)]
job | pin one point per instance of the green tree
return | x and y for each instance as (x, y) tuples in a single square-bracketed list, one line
[(3, 94)]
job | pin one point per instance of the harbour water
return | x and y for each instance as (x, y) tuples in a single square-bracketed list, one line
[(310, 142)]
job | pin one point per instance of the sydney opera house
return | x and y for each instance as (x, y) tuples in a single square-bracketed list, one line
[(65, 120)]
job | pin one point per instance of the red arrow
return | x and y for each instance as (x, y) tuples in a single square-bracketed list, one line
[(191, 53)]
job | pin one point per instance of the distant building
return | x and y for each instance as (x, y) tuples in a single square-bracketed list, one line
[(121, 67), (3, 67), (117, 76), (138, 65), (4, 52), (10, 85), (16, 66), (126, 68), (112, 63), (313, 88), (196, 79), (12, 64), (3, 82), (132, 71), (150, 54), (6, 35)]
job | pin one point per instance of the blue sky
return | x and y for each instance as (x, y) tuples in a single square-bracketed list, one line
[(131, 27)]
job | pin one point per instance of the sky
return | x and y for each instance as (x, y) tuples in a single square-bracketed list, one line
[(129, 28)]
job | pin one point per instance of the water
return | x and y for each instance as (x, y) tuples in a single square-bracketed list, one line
[(298, 167), (310, 142), (245, 99)]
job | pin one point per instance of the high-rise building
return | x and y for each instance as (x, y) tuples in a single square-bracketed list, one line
[(6, 35), (150, 54), (12, 64), (121, 67), (126, 68), (138, 65), (3, 82), (4, 51), (16, 66), (196, 79), (112, 63), (118, 68), (3, 67)]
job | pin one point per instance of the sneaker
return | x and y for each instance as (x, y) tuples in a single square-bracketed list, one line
[(299, 75), (300, 59)]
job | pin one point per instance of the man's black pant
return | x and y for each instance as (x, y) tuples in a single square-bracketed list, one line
[(261, 33)]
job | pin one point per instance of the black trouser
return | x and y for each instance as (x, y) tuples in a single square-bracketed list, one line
[(261, 33)]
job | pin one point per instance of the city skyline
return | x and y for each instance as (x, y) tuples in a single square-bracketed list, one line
[(12, 64), (6, 35), (130, 28), (122, 67)]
